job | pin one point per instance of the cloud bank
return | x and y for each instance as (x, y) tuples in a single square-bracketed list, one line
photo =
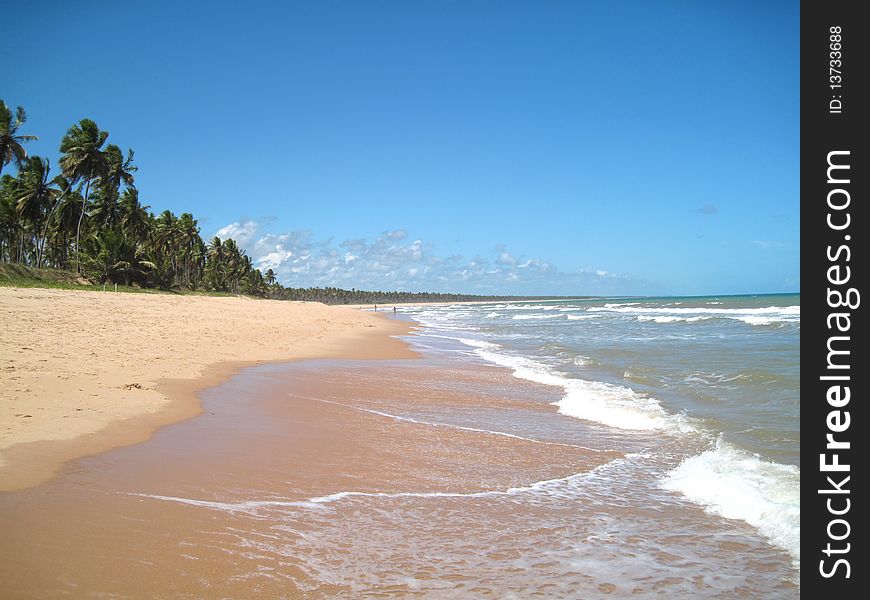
[(395, 261)]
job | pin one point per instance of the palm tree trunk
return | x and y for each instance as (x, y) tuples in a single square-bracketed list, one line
[(79, 228), (41, 251)]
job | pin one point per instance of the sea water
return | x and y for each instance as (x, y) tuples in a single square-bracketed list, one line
[(715, 378)]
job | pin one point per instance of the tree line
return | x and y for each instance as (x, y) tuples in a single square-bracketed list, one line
[(85, 216)]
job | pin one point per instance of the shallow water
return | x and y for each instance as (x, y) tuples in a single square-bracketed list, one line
[(717, 376)]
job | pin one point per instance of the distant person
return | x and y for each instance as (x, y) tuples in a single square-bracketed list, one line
[(394, 310), (376, 308)]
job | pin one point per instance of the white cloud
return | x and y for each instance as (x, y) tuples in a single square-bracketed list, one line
[(273, 260), (241, 232), (391, 262)]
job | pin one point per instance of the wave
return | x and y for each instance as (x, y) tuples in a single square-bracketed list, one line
[(584, 361), (581, 317), (767, 315), (758, 377), (477, 343), (550, 487), (757, 320), (723, 479), (530, 307), (736, 485), (448, 425), (612, 405), (524, 317), (672, 319), (794, 310)]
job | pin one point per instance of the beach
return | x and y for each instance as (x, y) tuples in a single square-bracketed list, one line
[(85, 371), (514, 456)]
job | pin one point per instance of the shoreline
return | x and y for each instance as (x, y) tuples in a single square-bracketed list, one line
[(105, 414), (334, 477), (309, 476)]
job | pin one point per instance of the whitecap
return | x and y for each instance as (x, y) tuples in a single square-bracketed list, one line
[(734, 484)]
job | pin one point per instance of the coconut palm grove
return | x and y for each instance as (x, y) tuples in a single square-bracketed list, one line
[(83, 222)]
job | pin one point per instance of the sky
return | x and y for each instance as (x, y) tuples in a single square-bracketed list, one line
[(559, 147)]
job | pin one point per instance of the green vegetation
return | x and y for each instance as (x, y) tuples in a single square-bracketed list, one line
[(88, 219), (85, 225)]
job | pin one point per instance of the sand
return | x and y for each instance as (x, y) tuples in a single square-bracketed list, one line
[(188, 512), (85, 371)]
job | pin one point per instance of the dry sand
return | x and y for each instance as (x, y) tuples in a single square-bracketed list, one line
[(84, 371)]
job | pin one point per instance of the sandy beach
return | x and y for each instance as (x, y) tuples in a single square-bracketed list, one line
[(335, 477), (86, 371)]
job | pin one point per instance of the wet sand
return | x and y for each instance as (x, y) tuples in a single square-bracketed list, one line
[(82, 372), (279, 436), (391, 478)]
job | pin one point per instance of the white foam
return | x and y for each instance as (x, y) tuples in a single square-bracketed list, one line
[(671, 319), (767, 315), (756, 320), (736, 485), (580, 317), (612, 405), (551, 487), (547, 485), (773, 311), (526, 317), (447, 425), (477, 343), (247, 506)]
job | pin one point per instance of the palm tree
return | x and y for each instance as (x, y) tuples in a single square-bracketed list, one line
[(232, 262), (118, 171), (111, 256), (188, 236), (8, 218), (63, 225), (164, 241), (11, 148), (198, 262), (133, 216), (215, 264), (83, 161), (34, 196)]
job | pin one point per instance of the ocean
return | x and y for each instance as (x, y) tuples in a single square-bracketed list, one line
[(704, 391)]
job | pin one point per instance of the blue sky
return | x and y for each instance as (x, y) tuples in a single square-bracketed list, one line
[(513, 147)]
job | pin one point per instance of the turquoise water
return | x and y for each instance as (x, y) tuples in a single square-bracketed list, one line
[(715, 377)]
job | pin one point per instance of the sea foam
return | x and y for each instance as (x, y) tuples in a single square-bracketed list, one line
[(612, 405), (767, 315), (734, 484)]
